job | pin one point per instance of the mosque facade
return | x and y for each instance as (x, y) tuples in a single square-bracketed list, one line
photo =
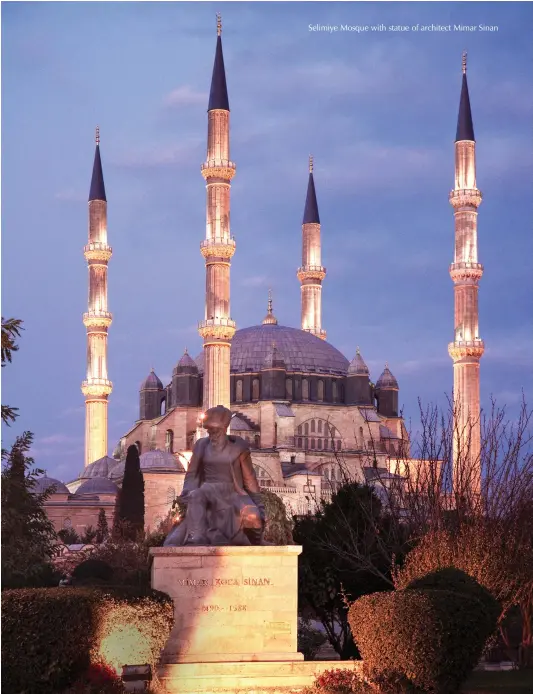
[(310, 415)]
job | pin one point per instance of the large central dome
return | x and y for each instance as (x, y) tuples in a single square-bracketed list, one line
[(300, 350)]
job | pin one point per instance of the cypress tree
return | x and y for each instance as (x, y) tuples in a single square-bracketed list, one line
[(102, 529), (131, 498)]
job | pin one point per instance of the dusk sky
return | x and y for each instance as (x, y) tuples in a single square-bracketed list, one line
[(378, 110)]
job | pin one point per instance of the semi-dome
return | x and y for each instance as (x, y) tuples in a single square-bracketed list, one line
[(97, 485), (302, 351), (100, 468), (43, 483), (387, 380), (151, 461), (152, 382)]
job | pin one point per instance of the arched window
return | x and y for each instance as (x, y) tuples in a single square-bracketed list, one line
[(299, 428), (263, 477), (313, 426), (288, 388), (318, 434), (305, 389), (320, 391), (306, 428), (255, 389), (171, 495), (257, 441), (319, 444), (163, 406), (169, 441), (139, 447), (331, 477), (319, 427), (238, 390), (335, 396), (67, 523)]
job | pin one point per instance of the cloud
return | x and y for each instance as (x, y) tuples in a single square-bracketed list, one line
[(71, 195), (254, 281), (55, 439), (72, 411), (184, 96), (162, 156), (515, 350)]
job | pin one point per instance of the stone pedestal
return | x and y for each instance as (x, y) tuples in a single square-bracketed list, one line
[(235, 628), (230, 603)]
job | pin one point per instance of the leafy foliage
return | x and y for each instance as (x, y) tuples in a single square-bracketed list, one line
[(129, 561), (129, 519), (426, 640), (28, 536), (340, 542), (106, 628), (11, 328), (89, 536), (278, 527), (69, 536), (310, 640), (92, 571)]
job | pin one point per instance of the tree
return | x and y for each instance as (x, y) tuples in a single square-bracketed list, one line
[(129, 515), (28, 536), (89, 535), (343, 558), (11, 328), (102, 529), (69, 536)]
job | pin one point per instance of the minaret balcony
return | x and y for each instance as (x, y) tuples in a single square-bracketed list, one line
[(459, 349), (465, 197), (316, 331), (218, 247), (311, 272), (218, 168), (96, 250), (96, 387), (217, 328), (95, 319), (466, 271)]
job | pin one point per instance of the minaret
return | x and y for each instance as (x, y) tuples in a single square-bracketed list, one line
[(97, 320), (218, 247), (311, 273), (467, 348)]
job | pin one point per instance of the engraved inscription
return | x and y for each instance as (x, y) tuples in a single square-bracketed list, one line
[(219, 608), (279, 627), (237, 608), (205, 582)]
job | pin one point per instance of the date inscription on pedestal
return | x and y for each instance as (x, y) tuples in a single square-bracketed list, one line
[(214, 582), (219, 608)]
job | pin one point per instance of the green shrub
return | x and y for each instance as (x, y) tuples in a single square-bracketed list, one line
[(278, 527), (421, 640), (310, 639), (51, 636), (92, 571), (339, 681), (454, 579)]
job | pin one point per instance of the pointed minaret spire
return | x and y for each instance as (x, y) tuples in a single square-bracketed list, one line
[(97, 190), (270, 318), (218, 96), (311, 273), (466, 271), (311, 206), (465, 127), (97, 386)]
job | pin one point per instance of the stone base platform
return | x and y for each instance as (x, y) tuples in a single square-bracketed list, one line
[(247, 677)]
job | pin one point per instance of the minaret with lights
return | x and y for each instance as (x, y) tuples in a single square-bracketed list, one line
[(97, 387), (311, 273), (217, 329), (467, 348)]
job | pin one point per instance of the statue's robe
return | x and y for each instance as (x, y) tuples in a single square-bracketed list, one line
[(222, 497)]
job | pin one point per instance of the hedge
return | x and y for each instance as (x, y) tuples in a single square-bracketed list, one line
[(454, 579), (51, 636), (421, 640)]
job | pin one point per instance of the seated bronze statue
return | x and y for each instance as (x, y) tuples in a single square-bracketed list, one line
[(220, 492)]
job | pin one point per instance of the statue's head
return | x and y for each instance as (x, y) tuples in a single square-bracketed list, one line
[(217, 419)]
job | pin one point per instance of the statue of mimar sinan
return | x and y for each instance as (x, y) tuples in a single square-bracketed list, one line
[(220, 491)]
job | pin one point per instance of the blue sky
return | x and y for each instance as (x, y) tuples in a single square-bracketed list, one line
[(377, 110)]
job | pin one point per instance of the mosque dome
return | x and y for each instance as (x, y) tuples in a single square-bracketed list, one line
[(43, 483), (97, 485), (151, 461), (357, 365), (387, 380), (186, 364), (100, 468), (302, 351), (152, 382)]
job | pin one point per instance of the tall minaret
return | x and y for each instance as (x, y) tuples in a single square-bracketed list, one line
[(311, 273), (218, 248), (97, 320), (467, 348)]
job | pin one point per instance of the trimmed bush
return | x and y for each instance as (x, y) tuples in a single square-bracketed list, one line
[(454, 579), (51, 636), (339, 681), (92, 571), (421, 640)]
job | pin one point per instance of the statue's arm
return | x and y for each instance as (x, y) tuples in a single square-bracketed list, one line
[(250, 483), (192, 476)]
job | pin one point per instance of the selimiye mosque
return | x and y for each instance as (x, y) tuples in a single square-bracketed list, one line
[(309, 414)]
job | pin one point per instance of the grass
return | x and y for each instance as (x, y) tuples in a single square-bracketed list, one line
[(510, 682)]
